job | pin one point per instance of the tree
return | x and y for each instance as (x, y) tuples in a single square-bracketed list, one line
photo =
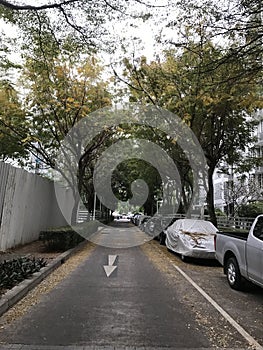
[(128, 172), (12, 116), (216, 110), (60, 88), (241, 190), (236, 26), (87, 22), (74, 17)]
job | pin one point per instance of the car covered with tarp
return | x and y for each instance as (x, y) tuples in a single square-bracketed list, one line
[(191, 238)]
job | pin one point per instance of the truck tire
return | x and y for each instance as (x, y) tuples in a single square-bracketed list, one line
[(233, 274), (162, 238)]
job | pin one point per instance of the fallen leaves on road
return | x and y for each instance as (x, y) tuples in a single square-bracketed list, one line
[(220, 333)]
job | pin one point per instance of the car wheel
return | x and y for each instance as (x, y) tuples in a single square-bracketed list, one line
[(233, 274), (184, 258)]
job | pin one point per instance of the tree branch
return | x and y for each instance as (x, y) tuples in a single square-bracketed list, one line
[(12, 6)]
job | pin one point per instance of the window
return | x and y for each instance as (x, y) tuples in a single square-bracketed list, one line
[(258, 229)]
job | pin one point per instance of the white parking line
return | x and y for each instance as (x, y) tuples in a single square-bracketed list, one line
[(252, 342)]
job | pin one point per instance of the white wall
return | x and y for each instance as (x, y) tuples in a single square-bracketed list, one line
[(28, 205)]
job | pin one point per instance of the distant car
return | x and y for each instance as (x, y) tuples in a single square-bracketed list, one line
[(191, 238), (143, 221), (151, 225), (136, 218), (122, 218)]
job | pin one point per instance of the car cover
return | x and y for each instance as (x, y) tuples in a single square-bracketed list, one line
[(192, 237)]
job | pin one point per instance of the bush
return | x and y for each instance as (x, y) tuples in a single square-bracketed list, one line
[(219, 212), (251, 210), (64, 238), (14, 271)]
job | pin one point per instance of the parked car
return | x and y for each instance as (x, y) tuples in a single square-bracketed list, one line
[(151, 225), (135, 218), (122, 218), (155, 226), (241, 254), (143, 219), (166, 221), (191, 238)]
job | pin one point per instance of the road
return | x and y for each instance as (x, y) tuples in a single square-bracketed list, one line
[(145, 302)]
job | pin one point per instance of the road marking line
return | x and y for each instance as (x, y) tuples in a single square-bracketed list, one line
[(241, 330)]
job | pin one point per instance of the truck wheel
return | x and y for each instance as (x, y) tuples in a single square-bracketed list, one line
[(234, 277), (162, 238)]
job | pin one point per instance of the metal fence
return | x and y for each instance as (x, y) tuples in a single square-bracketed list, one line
[(222, 221)]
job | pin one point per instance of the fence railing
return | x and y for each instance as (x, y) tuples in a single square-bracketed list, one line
[(85, 215), (222, 221)]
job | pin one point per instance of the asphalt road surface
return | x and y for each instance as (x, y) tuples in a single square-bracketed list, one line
[(144, 302)]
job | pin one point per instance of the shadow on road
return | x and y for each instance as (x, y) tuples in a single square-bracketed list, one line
[(196, 261), (120, 224)]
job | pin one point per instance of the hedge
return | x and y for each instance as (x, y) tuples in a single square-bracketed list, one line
[(66, 237)]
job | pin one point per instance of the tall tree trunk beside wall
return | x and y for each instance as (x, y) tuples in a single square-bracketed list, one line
[(74, 214)]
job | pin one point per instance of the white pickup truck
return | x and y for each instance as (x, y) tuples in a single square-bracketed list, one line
[(241, 254)]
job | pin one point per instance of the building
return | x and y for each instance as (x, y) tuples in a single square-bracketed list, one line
[(256, 177), (231, 190)]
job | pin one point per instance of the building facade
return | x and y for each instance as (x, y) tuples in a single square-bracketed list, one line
[(232, 189)]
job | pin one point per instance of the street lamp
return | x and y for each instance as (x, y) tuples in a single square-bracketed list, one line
[(158, 204), (94, 206)]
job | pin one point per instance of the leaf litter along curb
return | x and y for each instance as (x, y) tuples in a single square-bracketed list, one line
[(49, 283), (218, 331)]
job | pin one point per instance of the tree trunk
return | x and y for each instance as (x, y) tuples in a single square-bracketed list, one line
[(74, 214), (184, 202), (210, 196)]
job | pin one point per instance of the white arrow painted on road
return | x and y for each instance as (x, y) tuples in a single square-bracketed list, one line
[(110, 268), (112, 259)]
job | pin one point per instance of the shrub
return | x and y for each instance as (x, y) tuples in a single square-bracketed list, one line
[(14, 271), (251, 210), (64, 238), (219, 212)]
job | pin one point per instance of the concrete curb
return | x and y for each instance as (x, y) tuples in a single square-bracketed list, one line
[(11, 297)]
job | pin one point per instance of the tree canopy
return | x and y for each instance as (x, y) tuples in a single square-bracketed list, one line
[(207, 70), (213, 107)]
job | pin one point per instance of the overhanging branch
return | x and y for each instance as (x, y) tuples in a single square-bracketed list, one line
[(12, 6)]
